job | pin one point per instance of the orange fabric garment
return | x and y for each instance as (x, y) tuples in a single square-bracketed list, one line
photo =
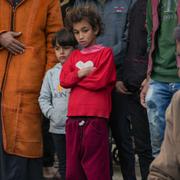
[(21, 75)]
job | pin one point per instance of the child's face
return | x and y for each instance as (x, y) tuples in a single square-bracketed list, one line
[(62, 52), (84, 33)]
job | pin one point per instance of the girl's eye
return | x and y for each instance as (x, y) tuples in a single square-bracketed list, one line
[(76, 32), (85, 30)]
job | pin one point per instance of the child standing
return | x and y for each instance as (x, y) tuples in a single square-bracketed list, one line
[(90, 73), (53, 98)]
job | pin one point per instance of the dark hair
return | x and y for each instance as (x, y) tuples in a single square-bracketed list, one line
[(64, 38), (87, 11), (177, 32)]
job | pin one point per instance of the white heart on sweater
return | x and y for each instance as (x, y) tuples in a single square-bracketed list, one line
[(81, 64)]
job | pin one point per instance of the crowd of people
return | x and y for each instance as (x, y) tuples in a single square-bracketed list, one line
[(72, 71)]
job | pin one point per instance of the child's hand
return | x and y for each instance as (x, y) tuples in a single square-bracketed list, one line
[(85, 71)]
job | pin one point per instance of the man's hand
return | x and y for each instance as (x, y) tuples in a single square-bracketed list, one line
[(8, 41), (85, 71), (121, 88), (144, 89)]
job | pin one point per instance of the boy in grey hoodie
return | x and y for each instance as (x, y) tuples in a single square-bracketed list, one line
[(53, 98)]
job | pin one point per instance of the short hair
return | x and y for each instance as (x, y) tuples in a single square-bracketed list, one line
[(87, 11), (64, 38), (177, 32)]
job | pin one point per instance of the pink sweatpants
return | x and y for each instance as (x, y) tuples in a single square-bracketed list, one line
[(87, 149)]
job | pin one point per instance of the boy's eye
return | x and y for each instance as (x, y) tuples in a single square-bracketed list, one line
[(67, 47), (56, 48)]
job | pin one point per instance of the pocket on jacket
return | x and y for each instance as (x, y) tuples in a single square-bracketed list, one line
[(59, 117)]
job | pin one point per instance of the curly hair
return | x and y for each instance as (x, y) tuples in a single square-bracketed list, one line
[(87, 11)]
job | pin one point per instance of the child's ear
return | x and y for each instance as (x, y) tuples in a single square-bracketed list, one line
[(96, 30)]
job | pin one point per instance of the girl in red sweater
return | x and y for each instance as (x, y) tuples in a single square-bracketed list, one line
[(90, 73)]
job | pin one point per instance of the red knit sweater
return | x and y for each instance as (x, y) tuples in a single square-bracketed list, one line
[(91, 95)]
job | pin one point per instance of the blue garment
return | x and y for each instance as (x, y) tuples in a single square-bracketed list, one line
[(157, 100)]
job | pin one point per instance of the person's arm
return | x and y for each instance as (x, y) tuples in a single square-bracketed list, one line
[(166, 164), (145, 83), (149, 23), (120, 57), (177, 37), (103, 75), (45, 98), (69, 75), (120, 48), (54, 23)]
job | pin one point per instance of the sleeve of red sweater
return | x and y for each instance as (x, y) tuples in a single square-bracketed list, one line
[(103, 75), (69, 75)]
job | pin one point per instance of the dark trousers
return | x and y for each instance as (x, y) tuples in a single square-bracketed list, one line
[(87, 149), (14, 167), (19, 168), (120, 127), (140, 133), (60, 148), (130, 120), (48, 145)]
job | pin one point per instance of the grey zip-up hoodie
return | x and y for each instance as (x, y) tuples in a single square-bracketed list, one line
[(53, 100)]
